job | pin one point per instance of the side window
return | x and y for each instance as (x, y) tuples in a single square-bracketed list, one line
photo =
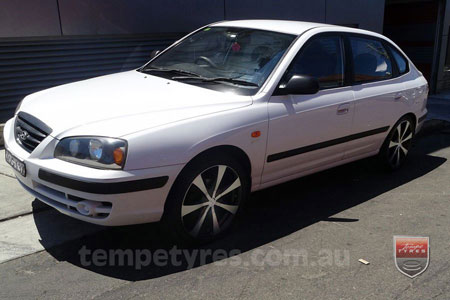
[(320, 58), (371, 61), (401, 61)]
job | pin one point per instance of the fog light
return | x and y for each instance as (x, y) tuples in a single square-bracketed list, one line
[(88, 208)]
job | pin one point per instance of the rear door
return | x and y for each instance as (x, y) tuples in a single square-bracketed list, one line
[(306, 131), (379, 93)]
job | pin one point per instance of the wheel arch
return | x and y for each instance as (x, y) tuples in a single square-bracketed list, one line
[(408, 115), (413, 118), (231, 150)]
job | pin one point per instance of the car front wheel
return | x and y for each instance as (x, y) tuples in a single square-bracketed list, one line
[(205, 200)]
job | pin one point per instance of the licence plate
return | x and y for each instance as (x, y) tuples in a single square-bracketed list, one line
[(16, 163)]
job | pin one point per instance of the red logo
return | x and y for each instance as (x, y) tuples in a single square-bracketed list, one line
[(411, 254)]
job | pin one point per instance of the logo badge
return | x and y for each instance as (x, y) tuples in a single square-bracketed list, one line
[(23, 135), (411, 254)]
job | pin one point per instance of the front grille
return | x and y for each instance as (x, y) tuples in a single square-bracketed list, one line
[(29, 131)]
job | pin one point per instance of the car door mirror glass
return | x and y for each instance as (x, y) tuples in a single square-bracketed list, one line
[(299, 85)]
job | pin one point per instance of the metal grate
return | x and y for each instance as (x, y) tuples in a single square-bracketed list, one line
[(27, 66), (30, 132)]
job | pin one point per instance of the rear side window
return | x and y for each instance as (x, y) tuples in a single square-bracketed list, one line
[(320, 58), (371, 61), (401, 61)]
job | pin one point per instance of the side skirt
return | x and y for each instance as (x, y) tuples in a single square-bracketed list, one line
[(311, 171)]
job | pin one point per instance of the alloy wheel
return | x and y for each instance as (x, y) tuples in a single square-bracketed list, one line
[(211, 201), (400, 143)]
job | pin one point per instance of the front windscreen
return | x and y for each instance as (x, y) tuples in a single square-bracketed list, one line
[(223, 58)]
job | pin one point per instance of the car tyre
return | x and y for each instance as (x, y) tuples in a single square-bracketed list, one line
[(397, 144), (205, 200)]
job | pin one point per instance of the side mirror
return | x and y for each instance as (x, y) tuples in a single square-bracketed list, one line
[(154, 53), (299, 85)]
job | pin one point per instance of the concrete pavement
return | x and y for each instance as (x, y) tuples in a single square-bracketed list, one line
[(19, 235), (14, 200)]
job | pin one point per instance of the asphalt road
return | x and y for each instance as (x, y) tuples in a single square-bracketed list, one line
[(299, 240)]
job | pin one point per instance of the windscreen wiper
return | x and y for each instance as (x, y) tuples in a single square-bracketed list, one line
[(153, 69), (217, 79)]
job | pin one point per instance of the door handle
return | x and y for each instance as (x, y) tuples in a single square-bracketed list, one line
[(343, 109), (398, 96)]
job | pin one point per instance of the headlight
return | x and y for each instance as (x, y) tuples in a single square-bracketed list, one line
[(96, 152)]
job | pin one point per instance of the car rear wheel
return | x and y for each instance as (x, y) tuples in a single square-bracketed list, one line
[(205, 200), (397, 144)]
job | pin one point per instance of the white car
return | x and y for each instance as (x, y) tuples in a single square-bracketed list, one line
[(234, 107)]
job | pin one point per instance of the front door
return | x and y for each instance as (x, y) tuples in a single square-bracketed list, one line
[(309, 131)]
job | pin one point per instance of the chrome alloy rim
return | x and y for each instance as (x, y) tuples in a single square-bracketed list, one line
[(400, 143), (211, 201)]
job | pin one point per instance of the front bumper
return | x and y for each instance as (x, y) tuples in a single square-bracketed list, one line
[(115, 197)]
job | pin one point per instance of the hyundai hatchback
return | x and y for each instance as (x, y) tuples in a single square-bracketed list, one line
[(232, 108)]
